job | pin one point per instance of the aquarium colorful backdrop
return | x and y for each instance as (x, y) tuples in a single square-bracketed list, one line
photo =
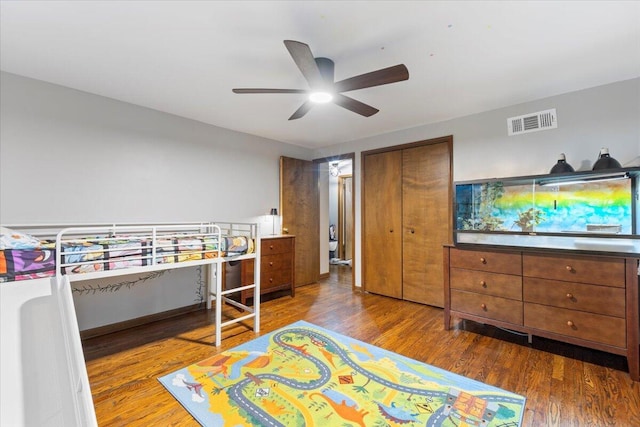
[(584, 207)]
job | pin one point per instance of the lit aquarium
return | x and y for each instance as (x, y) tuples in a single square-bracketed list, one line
[(579, 211)]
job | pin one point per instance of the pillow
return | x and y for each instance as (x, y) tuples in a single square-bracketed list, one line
[(12, 239)]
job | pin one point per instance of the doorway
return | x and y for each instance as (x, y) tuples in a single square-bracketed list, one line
[(337, 217)]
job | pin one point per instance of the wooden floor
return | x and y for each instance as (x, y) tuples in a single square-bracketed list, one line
[(564, 385)]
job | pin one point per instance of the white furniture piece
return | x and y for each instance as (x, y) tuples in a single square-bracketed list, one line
[(93, 252)]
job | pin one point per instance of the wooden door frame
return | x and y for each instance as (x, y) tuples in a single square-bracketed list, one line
[(352, 157)]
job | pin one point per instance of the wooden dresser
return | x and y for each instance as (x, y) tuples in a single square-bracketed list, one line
[(586, 300), (277, 261)]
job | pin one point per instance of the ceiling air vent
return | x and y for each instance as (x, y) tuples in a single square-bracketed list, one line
[(542, 120)]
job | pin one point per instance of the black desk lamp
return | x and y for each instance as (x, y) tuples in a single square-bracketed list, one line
[(274, 214)]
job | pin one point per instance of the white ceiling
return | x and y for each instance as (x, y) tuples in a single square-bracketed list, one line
[(184, 57)]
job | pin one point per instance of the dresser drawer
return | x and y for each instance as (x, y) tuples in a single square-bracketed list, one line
[(597, 271), (275, 262), (587, 326), (482, 282), (497, 262), (276, 246), (576, 296), (488, 306)]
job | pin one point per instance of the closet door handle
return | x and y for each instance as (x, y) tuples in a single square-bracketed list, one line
[(413, 231), (391, 231)]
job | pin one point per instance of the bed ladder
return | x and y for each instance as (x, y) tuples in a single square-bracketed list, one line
[(219, 295)]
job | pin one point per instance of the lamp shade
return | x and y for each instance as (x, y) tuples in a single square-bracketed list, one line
[(274, 211), (562, 165), (605, 161)]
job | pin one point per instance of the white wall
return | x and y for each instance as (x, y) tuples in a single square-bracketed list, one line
[(605, 116), (71, 157)]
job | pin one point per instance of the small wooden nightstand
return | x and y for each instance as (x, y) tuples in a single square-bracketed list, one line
[(277, 261)]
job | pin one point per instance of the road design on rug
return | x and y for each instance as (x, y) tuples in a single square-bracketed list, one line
[(305, 375)]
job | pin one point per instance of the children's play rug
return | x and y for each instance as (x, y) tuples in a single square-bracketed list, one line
[(304, 375)]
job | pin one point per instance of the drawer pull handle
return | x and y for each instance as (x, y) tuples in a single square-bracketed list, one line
[(570, 323), (570, 295), (483, 283), (270, 246), (483, 260), (483, 306), (270, 280), (391, 231), (271, 263), (569, 268)]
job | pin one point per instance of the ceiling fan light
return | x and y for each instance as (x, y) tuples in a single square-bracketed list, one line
[(320, 97)]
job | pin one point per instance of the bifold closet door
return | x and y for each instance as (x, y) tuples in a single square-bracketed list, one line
[(425, 218), (382, 228)]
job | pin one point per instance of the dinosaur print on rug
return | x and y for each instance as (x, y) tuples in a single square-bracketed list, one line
[(304, 375)]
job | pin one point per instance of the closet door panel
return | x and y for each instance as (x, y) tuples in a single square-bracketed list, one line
[(425, 202), (382, 227)]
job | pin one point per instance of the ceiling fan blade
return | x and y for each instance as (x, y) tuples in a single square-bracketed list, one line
[(304, 108), (302, 56), (384, 76), (353, 105), (258, 90)]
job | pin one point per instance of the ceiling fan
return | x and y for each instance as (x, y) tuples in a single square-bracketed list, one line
[(319, 72)]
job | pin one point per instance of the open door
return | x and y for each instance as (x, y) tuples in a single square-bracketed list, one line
[(345, 217), (299, 207)]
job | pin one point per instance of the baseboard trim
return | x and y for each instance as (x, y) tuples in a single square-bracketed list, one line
[(132, 323), (324, 275)]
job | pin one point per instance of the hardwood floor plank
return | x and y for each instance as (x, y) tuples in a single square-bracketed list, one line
[(565, 385)]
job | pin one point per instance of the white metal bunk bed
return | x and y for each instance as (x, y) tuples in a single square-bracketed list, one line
[(100, 251)]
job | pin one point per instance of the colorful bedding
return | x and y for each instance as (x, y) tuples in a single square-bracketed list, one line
[(32, 258), (185, 249), (24, 264), (92, 256)]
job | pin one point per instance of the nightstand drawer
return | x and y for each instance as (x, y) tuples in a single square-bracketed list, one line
[(587, 326), (482, 282), (275, 262), (597, 271), (576, 296), (270, 279), (488, 306), (497, 262), (276, 246)]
